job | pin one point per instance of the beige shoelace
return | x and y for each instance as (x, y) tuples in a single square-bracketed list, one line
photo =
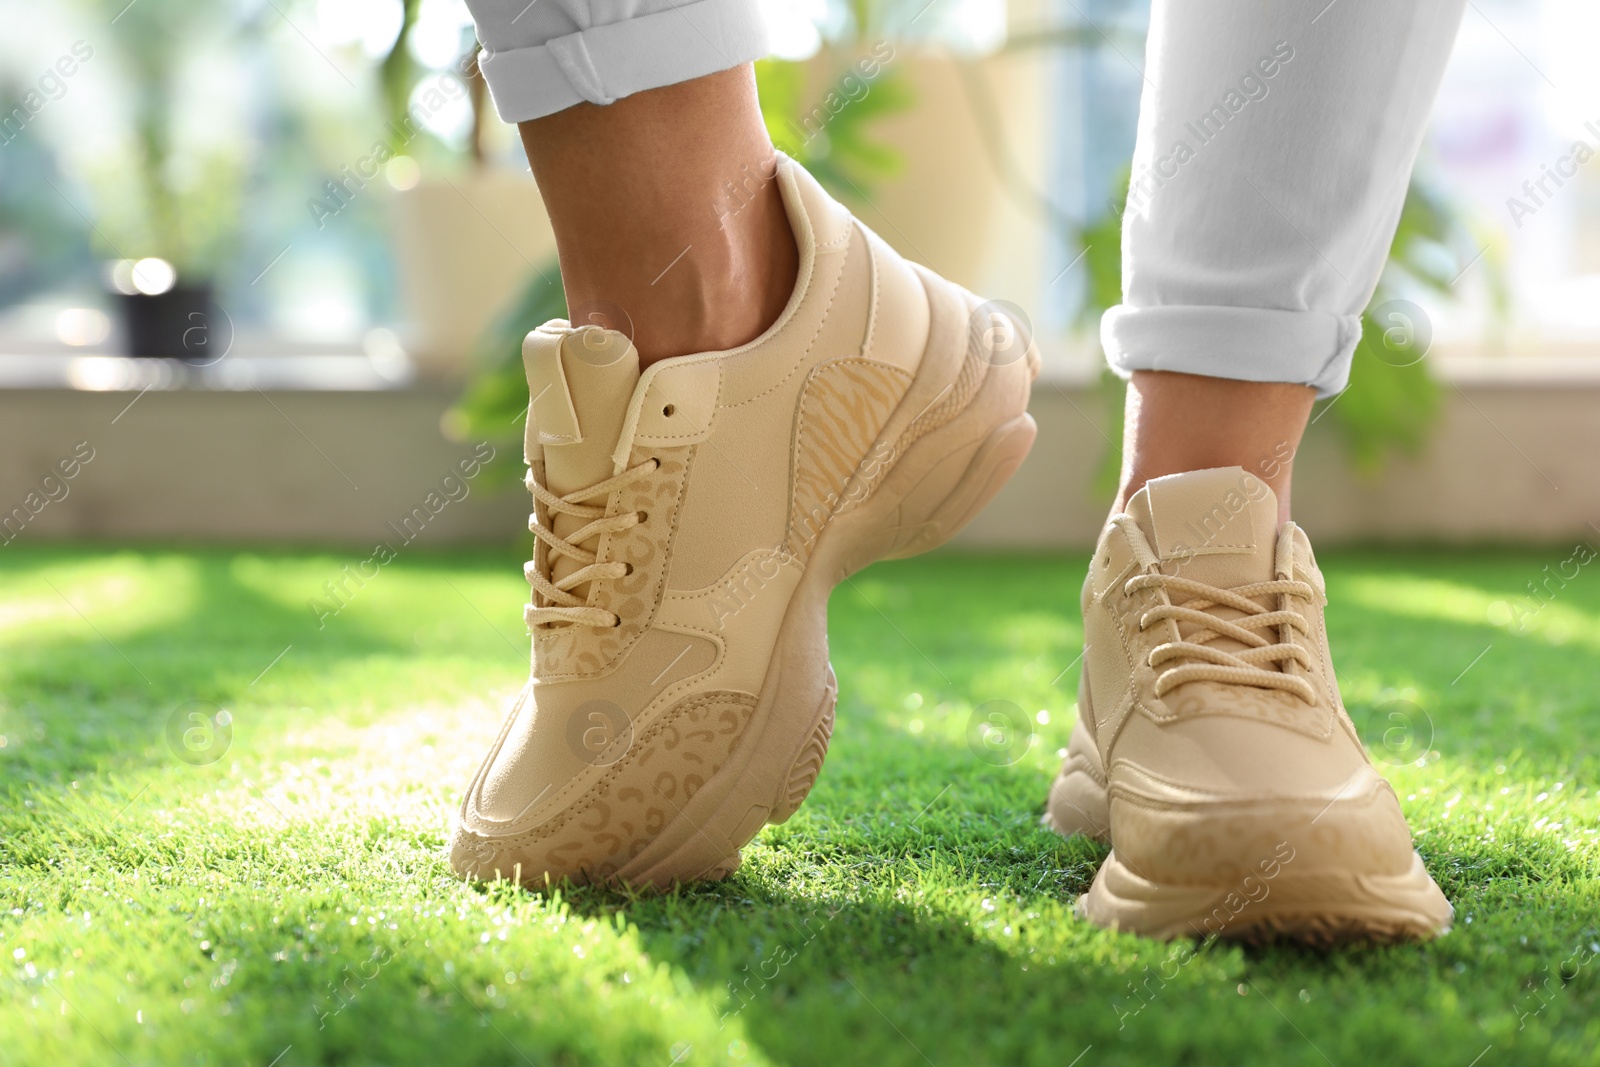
[(1264, 663), (561, 607)]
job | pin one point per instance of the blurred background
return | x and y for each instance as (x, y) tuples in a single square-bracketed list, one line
[(265, 264)]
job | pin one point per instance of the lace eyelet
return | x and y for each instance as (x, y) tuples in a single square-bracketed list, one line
[(627, 569), (670, 410), (644, 516), (616, 621)]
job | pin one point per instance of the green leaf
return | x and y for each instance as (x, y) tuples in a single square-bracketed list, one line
[(1390, 405), (831, 135)]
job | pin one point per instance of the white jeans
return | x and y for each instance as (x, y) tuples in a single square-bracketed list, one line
[(1275, 145), (543, 56)]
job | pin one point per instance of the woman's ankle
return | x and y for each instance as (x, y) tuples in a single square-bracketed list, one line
[(667, 214), (1176, 423)]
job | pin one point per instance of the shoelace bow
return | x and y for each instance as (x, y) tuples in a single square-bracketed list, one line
[(560, 606), (1264, 663)]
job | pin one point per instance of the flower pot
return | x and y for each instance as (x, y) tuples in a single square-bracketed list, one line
[(182, 323), (465, 246), (970, 121)]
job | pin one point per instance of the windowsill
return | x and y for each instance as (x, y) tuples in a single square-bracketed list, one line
[(1073, 361), (1068, 363), (338, 373)]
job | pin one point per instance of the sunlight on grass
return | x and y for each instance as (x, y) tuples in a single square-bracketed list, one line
[(1554, 622), (121, 595)]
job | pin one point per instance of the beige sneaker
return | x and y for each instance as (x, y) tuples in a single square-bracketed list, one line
[(1212, 749), (691, 521)]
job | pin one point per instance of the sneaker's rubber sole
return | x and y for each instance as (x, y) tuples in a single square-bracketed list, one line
[(1078, 802), (940, 482), (1319, 907)]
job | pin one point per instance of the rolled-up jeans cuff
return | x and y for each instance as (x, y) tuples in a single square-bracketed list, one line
[(605, 63), (1247, 344)]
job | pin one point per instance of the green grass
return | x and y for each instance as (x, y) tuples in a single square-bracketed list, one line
[(290, 899)]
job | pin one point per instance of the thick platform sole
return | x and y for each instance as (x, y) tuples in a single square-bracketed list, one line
[(1322, 908), (937, 486), (1078, 803), (1312, 906)]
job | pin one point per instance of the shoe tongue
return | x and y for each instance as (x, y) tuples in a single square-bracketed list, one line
[(1215, 526), (580, 383)]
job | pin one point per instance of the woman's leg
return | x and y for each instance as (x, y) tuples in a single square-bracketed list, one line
[(693, 514), (1275, 146), (647, 142), (1212, 748)]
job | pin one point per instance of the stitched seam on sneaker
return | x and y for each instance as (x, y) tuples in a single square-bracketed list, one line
[(875, 306), (800, 362), (704, 431)]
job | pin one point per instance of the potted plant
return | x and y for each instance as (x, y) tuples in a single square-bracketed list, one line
[(167, 199), (884, 114), (465, 236)]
